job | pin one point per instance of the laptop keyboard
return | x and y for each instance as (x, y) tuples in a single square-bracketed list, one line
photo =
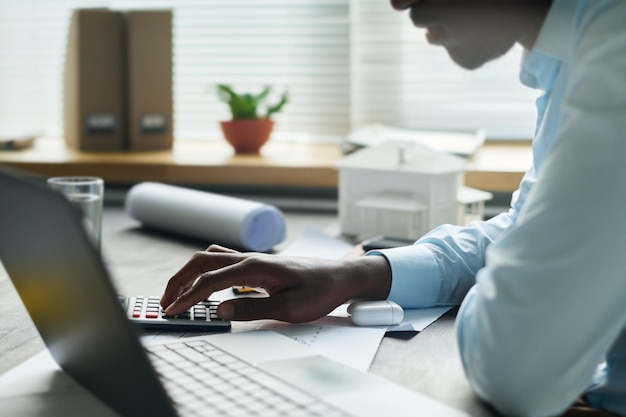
[(203, 380)]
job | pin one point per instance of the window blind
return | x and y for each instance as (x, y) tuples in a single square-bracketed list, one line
[(345, 63), (32, 43)]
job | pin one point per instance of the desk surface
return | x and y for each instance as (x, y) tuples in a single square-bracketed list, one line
[(497, 166), (428, 362)]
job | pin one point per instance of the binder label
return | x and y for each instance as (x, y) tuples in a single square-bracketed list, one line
[(101, 123), (153, 123)]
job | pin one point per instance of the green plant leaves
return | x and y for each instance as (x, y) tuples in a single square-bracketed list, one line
[(278, 106), (246, 105)]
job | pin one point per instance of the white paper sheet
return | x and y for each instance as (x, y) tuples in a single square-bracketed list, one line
[(336, 339), (316, 244)]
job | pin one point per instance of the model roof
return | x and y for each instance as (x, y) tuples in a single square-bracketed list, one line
[(400, 156)]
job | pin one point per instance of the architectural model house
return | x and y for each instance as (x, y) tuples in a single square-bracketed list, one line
[(403, 189)]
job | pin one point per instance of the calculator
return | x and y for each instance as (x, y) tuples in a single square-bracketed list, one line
[(147, 313)]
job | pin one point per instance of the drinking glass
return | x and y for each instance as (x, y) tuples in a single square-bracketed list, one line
[(86, 193)]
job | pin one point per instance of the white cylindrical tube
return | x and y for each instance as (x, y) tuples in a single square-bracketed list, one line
[(237, 222)]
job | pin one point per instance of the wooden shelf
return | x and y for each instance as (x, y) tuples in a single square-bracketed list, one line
[(499, 166), (495, 167)]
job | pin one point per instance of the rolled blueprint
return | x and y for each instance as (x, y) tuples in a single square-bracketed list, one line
[(216, 218)]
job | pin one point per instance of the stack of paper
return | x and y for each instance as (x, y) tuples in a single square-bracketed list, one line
[(458, 143)]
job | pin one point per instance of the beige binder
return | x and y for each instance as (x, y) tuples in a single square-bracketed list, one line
[(94, 113), (149, 79)]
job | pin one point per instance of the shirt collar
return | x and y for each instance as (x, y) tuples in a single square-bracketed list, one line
[(538, 70), (540, 66)]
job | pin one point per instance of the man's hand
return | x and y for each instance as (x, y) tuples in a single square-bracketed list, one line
[(300, 289)]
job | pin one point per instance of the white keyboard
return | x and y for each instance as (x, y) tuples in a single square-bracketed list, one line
[(203, 380)]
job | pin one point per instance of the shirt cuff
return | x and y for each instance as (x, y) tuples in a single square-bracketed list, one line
[(415, 278)]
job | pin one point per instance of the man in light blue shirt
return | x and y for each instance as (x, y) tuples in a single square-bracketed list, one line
[(549, 306), (543, 286)]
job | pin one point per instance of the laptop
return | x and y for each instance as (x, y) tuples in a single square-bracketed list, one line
[(71, 299)]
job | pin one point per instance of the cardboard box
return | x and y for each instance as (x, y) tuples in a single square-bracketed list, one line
[(94, 104), (149, 79)]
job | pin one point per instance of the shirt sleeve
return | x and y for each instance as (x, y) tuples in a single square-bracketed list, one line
[(441, 266), (549, 303)]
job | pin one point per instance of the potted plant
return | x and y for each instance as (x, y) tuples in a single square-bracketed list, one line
[(251, 123)]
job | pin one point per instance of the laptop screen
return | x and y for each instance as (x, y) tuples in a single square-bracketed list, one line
[(68, 293)]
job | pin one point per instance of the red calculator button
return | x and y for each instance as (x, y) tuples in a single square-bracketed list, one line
[(152, 315), (136, 314)]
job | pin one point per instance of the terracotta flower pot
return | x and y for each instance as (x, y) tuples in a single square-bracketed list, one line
[(247, 135)]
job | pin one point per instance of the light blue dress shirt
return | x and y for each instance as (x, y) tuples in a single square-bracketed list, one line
[(543, 286)]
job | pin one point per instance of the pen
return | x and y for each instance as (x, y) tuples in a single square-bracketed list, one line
[(243, 290)]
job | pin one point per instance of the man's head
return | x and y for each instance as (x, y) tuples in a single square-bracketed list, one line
[(477, 31)]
